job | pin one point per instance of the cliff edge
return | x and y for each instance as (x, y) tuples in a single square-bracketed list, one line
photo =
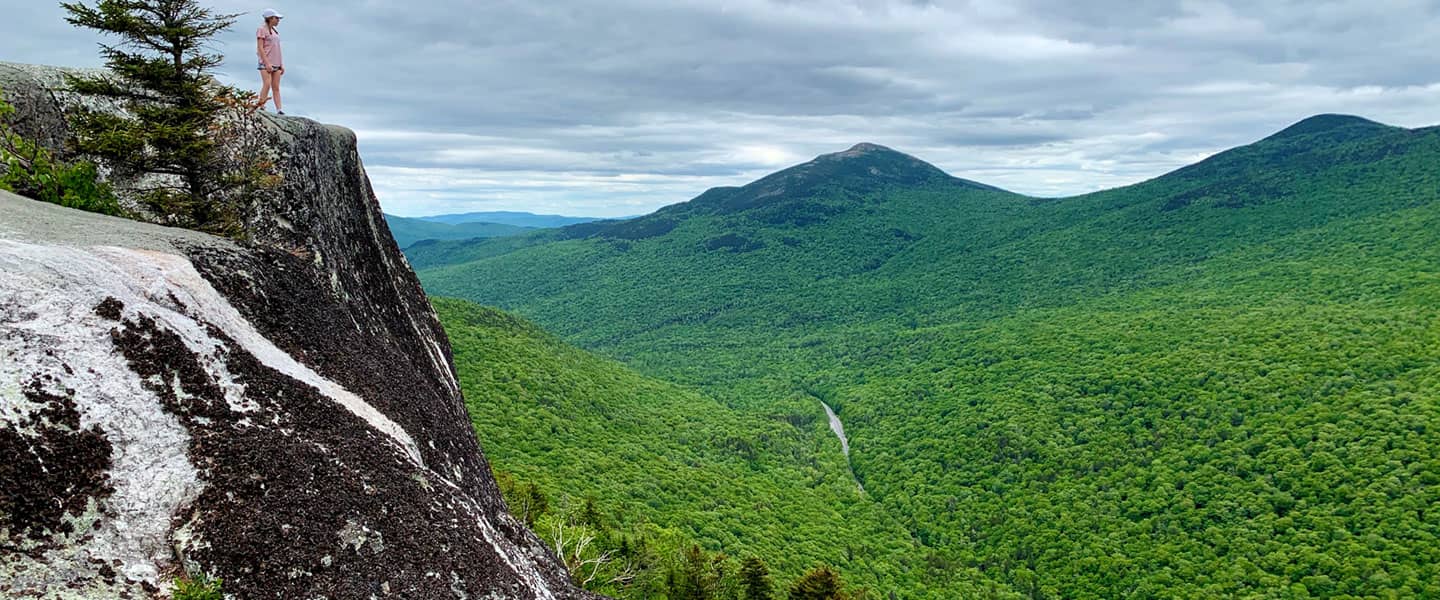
[(282, 413)]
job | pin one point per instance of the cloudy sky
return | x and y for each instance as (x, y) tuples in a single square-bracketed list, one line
[(617, 107)]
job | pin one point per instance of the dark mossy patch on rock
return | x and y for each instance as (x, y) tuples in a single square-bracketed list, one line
[(304, 498), (378, 347), (109, 308), (50, 468)]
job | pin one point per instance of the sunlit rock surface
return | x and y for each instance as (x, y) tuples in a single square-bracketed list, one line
[(282, 413)]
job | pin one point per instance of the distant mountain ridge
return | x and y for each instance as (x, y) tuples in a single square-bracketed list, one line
[(408, 231), (865, 168), (790, 197), (506, 217), (473, 225)]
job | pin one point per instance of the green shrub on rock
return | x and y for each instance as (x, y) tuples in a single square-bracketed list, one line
[(203, 587), (32, 171)]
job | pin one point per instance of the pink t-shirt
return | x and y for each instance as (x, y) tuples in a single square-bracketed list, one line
[(270, 43)]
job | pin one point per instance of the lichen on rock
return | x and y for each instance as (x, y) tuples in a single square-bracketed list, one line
[(281, 413)]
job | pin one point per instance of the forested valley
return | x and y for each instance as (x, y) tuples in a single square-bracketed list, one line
[(1224, 381)]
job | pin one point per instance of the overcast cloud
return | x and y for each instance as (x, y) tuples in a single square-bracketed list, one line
[(617, 107)]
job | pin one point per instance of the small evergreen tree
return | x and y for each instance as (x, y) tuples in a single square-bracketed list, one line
[(694, 579), (160, 68), (755, 577), (820, 583), (590, 515), (535, 504)]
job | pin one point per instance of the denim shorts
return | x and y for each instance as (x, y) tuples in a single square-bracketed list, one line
[(260, 66)]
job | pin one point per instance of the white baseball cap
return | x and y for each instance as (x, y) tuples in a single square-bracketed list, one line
[(270, 12)]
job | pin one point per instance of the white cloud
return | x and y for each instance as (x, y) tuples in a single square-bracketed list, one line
[(619, 107)]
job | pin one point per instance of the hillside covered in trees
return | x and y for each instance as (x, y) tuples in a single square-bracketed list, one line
[(1218, 382), (653, 490)]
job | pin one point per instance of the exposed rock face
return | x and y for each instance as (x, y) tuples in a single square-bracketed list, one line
[(282, 413)]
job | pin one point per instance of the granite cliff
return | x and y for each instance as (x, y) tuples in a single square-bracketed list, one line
[(282, 413)]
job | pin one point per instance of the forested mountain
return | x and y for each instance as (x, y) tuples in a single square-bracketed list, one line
[(407, 231), (1218, 382)]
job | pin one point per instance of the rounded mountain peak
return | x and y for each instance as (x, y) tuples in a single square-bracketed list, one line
[(866, 148), (1330, 123), (862, 169)]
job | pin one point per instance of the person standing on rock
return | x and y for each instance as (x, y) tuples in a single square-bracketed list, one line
[(267, 47)]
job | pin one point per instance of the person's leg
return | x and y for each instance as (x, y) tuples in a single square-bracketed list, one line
[(275, 89), (264, 89)]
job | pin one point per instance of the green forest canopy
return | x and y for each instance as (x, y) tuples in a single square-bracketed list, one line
[(1222, 381), (665, 467)]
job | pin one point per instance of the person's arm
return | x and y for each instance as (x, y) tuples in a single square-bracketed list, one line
[(260, 50)]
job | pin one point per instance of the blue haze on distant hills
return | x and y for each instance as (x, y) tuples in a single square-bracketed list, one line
[(505, 217)]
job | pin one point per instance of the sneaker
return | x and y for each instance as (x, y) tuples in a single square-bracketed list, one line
[(280, 112)]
